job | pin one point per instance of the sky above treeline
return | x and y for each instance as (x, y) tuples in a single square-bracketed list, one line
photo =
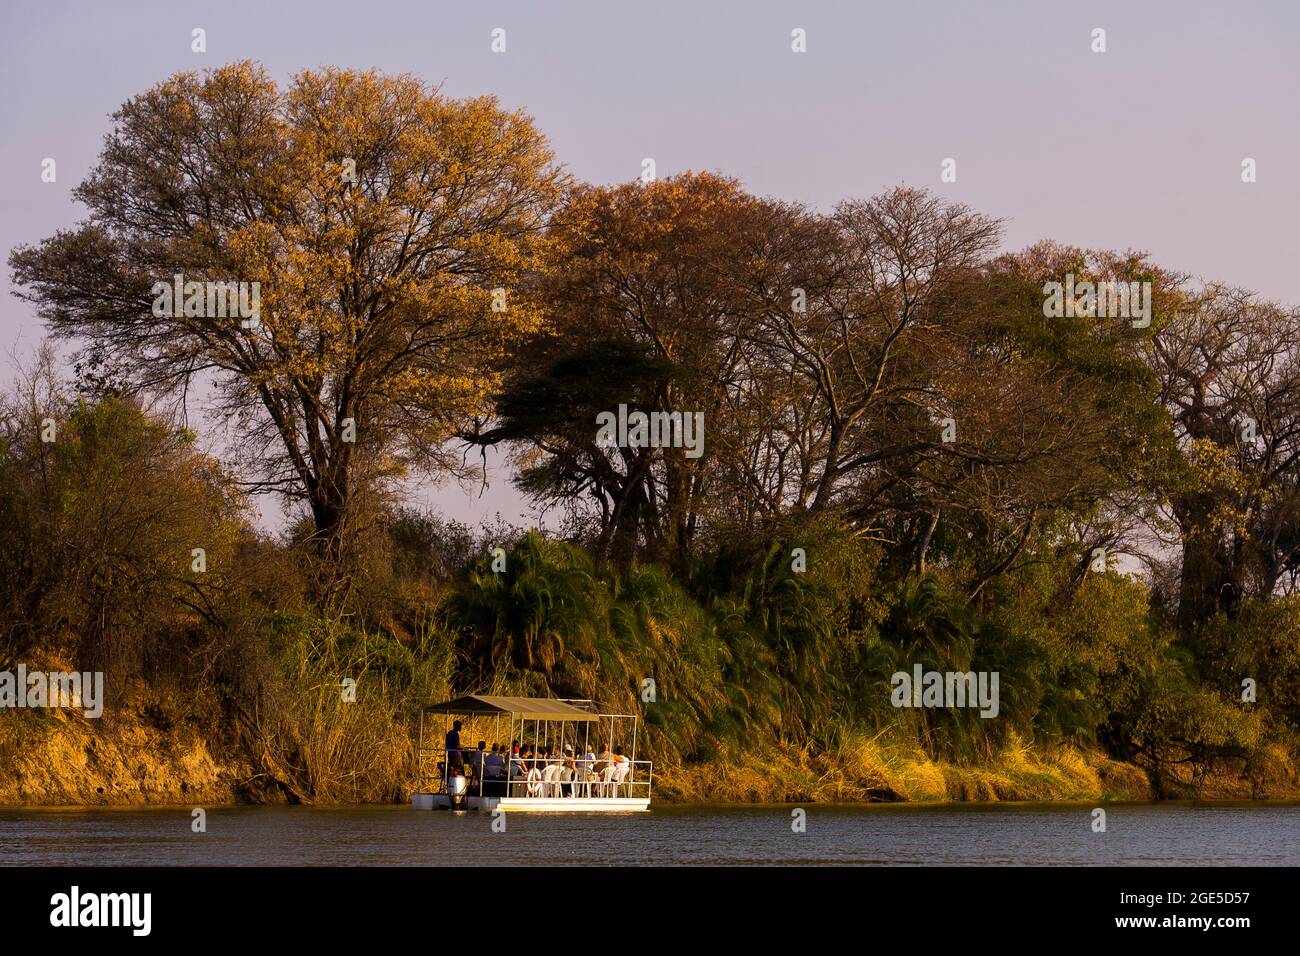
[(1138, 147)]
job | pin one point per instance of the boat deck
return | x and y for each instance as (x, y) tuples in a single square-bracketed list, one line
[(442, 801)]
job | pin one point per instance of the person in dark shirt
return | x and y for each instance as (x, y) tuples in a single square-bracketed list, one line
[(453, 747), (494, 771)]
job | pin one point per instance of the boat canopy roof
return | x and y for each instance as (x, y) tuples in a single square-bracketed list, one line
[(530, 708)]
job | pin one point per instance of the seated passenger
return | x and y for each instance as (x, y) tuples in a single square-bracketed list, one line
[(568, 787), (477, 759), (494, 768), (622, 767), (523, 763), (519, 767), (494, 773)]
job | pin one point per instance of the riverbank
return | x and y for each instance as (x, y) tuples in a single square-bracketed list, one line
[(140, 754), (151, 752)]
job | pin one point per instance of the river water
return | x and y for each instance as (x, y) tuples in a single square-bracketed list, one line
[(965, 834)]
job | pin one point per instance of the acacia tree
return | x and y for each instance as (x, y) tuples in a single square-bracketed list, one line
[(643, 314), (387, 226)]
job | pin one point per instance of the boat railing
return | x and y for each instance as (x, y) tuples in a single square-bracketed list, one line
[(526, 777)]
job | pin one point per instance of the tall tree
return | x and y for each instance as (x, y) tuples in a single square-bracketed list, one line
[(388, 227), (643, 314), (1228, 365)]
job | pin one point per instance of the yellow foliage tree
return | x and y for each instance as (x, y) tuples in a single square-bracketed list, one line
[(387, 228)]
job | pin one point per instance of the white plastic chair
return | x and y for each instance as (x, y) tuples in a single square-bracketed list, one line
[(551, 780), (621, 771), (607, 780), (582, 778)]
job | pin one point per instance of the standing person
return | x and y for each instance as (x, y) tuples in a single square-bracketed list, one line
[(452, 745)]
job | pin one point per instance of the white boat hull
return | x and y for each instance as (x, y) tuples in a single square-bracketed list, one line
[(440, 801)]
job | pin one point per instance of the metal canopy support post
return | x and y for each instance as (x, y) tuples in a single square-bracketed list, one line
[(631, 775)]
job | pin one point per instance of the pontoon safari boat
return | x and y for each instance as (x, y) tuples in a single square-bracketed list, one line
[(570, 758)]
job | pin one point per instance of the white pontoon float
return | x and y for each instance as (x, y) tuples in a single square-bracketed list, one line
[(591, 779)]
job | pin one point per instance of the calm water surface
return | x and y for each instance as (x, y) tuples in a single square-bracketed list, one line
[(1147, 834)]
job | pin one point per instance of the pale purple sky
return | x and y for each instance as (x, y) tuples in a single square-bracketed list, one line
[(1140, 146)]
